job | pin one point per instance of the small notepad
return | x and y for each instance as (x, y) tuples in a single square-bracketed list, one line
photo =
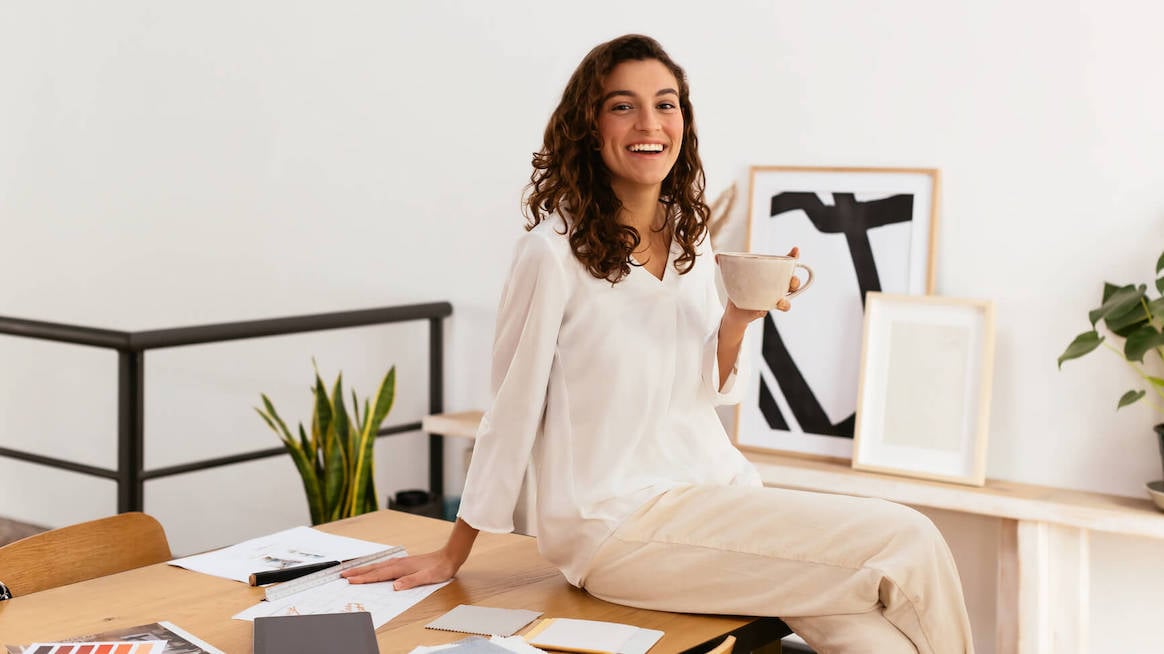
[(592, 636), (483, 620)]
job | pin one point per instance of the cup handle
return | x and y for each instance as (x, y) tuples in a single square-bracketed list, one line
[(804, 286)]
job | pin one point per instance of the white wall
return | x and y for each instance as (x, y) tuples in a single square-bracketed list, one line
[(168, 164)]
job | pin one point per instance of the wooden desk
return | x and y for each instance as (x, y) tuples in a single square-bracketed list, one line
[(505, 570)]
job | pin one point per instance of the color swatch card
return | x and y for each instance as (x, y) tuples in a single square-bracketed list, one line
[(484, 620), (592, 636), (174, 640), (140, 647)]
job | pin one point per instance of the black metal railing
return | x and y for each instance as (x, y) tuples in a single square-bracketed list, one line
[(131, 347)]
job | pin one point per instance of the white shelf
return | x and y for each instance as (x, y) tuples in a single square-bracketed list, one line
[(1004, 499)]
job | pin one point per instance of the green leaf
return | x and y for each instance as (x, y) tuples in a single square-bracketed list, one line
[(270, 423), (371, 500), (363, 483), (364, 446), (1156, 307), (340, 420), (306, 466), (1117, 302), (1108, 290), (304, 444), (1127, 322), (335, 480), (385, 396), (1083, 343), (1160, 280), (282, 430), (321, 414), (356, 409), (1131, 397), (1141, 341)]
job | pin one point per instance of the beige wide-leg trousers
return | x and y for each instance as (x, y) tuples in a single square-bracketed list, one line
[(846, 574)]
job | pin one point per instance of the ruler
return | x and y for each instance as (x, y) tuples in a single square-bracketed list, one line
[(288, 588)]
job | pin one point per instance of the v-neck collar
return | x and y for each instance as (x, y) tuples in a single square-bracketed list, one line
[(668, 273)]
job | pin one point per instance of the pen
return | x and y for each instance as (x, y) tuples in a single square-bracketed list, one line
[(287, 574)]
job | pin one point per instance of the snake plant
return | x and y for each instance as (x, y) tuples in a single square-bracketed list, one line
[(335, 461)]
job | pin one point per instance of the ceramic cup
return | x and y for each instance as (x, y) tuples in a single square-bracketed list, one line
[(758, 281)]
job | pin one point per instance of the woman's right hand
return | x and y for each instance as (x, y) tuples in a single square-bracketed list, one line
[(413, 571), (408, 571)]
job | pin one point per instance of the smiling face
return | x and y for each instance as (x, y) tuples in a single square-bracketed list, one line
[(641, 125)]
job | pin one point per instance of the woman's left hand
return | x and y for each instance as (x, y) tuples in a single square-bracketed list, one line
[(736, 319), (793, 284)]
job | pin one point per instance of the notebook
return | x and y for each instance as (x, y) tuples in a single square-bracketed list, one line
[(484, 620), (592, 636), (350, 633)]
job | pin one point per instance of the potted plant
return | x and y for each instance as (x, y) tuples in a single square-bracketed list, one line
[(1130, 313), (335, 461)]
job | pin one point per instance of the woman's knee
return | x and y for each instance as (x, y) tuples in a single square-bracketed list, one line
[(912, 529)]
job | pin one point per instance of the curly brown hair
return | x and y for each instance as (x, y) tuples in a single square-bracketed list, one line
[(570, 177)]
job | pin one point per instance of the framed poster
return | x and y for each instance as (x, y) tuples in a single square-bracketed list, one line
[(923, 405), (862, 230)]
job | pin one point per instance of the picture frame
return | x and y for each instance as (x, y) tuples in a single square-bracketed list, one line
[(923, 408), (861, 229)]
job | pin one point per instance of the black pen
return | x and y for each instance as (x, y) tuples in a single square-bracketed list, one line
[(287, 574)]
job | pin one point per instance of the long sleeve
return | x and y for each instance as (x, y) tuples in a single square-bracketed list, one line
[(730, 393), (529, 318)]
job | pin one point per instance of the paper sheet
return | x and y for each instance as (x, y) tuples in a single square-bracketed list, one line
[(380, 599), (295, 546)]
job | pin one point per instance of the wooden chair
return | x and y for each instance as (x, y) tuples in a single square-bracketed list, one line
[(82, 551), (725, 647)]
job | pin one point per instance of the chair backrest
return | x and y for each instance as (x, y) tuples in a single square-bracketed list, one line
[(82, 551), (725, 647)]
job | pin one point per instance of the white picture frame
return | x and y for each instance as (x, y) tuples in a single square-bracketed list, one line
[(861, 229), (923, 407)]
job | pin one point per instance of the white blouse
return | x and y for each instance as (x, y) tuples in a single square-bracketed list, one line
[(607, 391)]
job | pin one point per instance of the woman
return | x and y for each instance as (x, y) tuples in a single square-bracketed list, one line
[(611, 351)]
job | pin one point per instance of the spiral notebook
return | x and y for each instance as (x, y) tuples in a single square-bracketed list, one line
[(484, 620)]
